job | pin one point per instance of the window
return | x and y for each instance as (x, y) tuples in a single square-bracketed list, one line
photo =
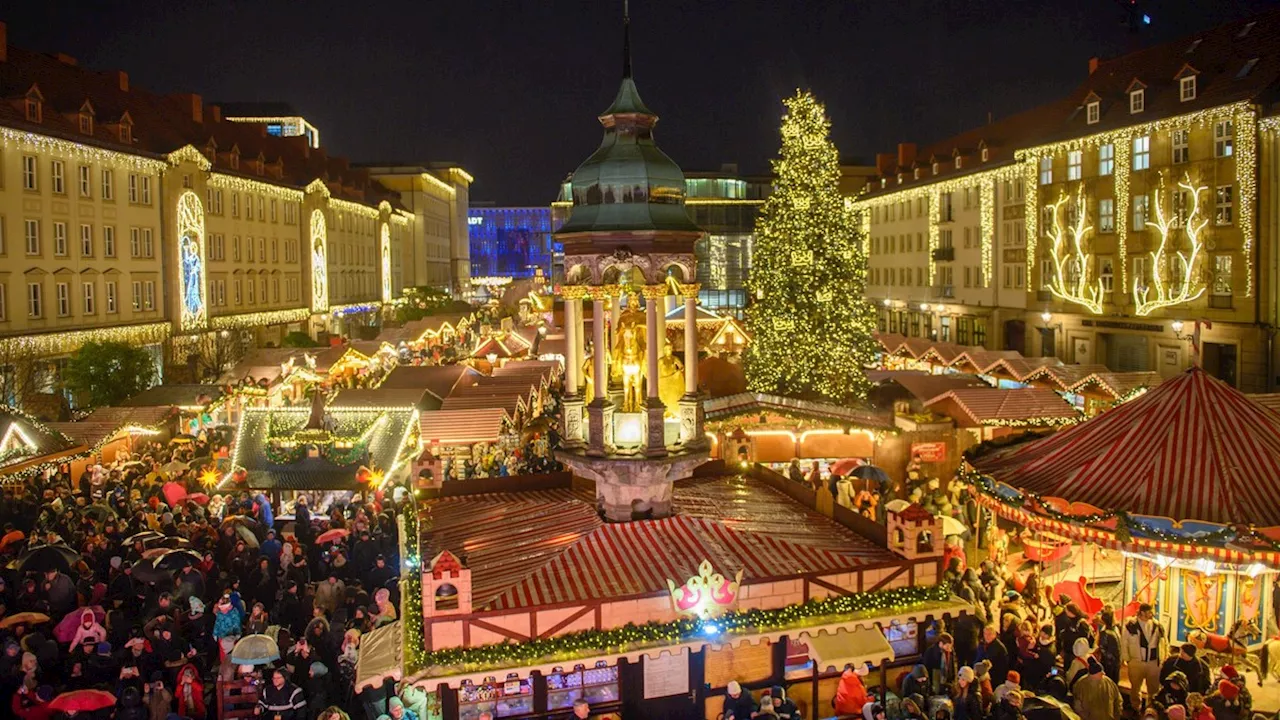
[(275, 250), (986, 154), (958, 159), (1142, 152), (57, 175), (963, 325), (86, 123), (262, 249), (1046, 170), (273, 210), (252, 290), (1223, 212), (108, 184), (149, 295), (133, 188), (108, 241), (29, 178), (33, 236), (1140, 207), (1106, 275), (217, 202), (261, 207), (34, 109), (235, 246), (237, 287), (967, 281), (1181, 146), (35, 298), (1139, 272), (1187, 88), (60, 239), (135, 242), (111, 296), (1221, 274), (4, 243), (1074, 161), (89, 308), (148, 250), (146, 189), (235, 205), (137, 296), (1092, 111), (1137, 101), (944, 329), (64, 298), (1046, 273), (1046, 220), (944, 208), (86, 187), (1180, 206), (126, 132), (1223, 138), (4, 301), (86, 241), (248, 206), (1106, 215)]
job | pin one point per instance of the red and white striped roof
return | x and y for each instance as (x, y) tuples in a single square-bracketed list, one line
[(540, 548), (1191, 448)]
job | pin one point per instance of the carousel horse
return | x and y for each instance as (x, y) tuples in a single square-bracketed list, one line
[(1232, 648)]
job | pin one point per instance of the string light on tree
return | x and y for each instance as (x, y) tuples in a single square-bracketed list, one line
[(808, 246)]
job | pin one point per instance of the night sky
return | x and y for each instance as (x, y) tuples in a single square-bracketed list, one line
[(510, 88)]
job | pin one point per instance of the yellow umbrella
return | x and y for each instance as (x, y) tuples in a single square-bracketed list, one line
[(23, 618)]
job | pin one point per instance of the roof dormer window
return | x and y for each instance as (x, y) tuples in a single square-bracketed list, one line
[(1137, 101), (234, 160), (34, 105), (958, 161), (1187, 88), (899, 178), (86, 123), (986, 154), (935, 167), (1093, 112), (883, 182), (915, 174), (126, 129)]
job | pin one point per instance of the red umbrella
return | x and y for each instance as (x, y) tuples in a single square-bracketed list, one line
[(10, 538), (174, 493), (83, 701), (199, 498), (333, 535), (845, 466)]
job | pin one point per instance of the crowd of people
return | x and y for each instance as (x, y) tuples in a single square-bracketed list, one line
[(136, 580)]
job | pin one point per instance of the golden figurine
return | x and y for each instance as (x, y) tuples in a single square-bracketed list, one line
[(670, 380), (628, 356)]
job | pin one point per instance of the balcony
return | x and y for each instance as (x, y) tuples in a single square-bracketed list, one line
[(944, 254), (943, 291), (1220, 302)]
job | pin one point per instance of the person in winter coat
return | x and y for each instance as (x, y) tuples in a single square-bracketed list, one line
[(1097, 697), (1196, 707), (1195, 670), (228, 620), (397, 710), (131, 707), (1173, 690), (965, 695), (916, 682), (89, 630), (738, 704), (913, 707), (190, 692), (281, 698), (158, 700), (30, 705), (1225, 703), (1109, 644), (1012, 681), (331, 593), (1035, 669), (317, 687), (851, 694), (992, 650), (1245, 698), (940, 660), (1081, 653), (783, 707)]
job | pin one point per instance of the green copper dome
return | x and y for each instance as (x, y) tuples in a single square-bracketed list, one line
[(628, 183)]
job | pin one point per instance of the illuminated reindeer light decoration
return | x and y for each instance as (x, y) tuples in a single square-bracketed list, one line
[(1168, 264), (1072, 264)]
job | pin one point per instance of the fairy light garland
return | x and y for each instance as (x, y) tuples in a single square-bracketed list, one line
[(986, 224), (743, 622), (62, 343), (243, 184), (259, 319), (354, 208), (1242, 114), (45, 145)]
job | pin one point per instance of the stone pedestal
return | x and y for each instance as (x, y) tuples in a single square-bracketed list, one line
[(692, 422), (631, 487), (599, 428), (655, 444), (574, 422)]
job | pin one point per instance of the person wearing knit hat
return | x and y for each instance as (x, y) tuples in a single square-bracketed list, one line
[(1225, 703), (738, 704), (1196, 709), (1245, 698), (1012, 682), (1176, 712), (1096, 696), (967, 696)]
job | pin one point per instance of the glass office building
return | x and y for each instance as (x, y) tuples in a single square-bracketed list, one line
[(511, 242)]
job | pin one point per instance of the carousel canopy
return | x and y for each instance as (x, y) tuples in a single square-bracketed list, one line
[(1192, 448)]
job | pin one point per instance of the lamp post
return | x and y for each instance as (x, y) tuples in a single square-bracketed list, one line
[(1194, 336)]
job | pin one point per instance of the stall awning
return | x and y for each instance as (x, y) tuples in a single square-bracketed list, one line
[(380, 657), (833, 650)]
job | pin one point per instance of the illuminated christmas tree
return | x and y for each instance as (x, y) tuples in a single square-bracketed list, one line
[(810, 322)]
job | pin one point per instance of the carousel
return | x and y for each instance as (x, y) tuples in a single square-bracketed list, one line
[(1180, 486)]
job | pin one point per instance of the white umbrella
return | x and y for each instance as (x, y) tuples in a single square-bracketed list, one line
[(896, 505), (952, 526)]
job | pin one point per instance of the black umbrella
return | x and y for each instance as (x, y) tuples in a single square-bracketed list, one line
[(871, 472), (48, 557), (101, 513), (174, 560), (144, 571), (146, 536), (173, 542)]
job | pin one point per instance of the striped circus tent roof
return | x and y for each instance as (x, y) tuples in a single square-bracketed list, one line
[(1191, 448), (544, 547)]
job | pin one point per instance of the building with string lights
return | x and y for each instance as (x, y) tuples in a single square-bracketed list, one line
[(1123, 225), (155, 220)]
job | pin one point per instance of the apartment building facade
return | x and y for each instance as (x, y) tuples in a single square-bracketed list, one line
[(1130, 223), (149, 219)]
